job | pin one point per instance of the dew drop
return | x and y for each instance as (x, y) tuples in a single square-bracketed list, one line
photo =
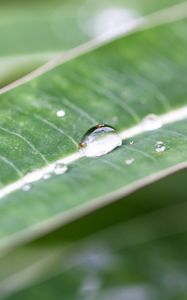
[(129, 161), (151, 122), (60, 113), (26, 187), (46, 176), (99, 140), (60, 168), (160, 147)]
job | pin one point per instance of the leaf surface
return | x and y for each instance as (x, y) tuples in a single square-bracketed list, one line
[(136, 249), (118, 84)]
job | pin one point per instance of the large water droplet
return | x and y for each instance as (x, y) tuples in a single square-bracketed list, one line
[(60, 168), (151, 122), (160, 147), (60, 113), (100, 140), (129, 161)]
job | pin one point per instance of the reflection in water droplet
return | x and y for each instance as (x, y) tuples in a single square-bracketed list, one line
[(46, 176), (60, 113), (26, 187), (100, 140), (160, 147), (129, 161), (60, 168), (151, 122)]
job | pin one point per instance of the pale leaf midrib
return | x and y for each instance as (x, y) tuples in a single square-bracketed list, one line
[(173, 116), (44, 227), (65, 217)]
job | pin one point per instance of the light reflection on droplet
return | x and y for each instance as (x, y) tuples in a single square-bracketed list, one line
[(60, 168), (26, 187), (46, 176), (60, 113), (129, 161), (160, 147), (99, 140)]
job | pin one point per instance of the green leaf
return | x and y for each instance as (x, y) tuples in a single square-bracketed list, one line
[(33, 33), (137, 248), (118, 84)]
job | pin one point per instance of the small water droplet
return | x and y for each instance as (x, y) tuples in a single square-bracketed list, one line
[(46, 176), (131, 142), (60, 113), (26, 187), (99, 140), (60, 168), (160, 147), (151, 122), (129, 161)]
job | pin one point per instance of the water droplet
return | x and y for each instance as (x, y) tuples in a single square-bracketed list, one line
[(99, 140), (26, 187), (160, 147), (60, 168), (129, 161), (60, 113), (46, 176), (131, 142), (151, 122)]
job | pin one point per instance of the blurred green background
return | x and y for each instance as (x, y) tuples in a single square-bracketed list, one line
[(133, 249)]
